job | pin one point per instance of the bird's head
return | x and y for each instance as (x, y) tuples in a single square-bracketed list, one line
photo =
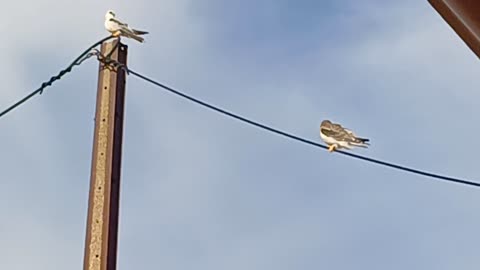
[(326, 123), (110, 14)]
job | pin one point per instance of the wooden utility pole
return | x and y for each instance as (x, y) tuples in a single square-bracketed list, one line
[(464, 17), (103, 204)]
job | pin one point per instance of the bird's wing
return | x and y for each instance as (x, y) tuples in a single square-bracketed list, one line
[(139, 32), (350, 132), (129, 33), (118, 22), (353, 136), (337, 132), (356, 138)]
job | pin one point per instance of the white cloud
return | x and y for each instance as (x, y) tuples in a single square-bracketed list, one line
[(202, 190)]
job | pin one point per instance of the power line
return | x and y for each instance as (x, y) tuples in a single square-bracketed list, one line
[(78, 61), (286, 134)]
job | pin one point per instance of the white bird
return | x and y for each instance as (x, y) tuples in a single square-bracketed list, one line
[(118, 28), (337, 137)]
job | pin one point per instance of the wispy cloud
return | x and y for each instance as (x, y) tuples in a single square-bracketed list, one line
[(202, 191)]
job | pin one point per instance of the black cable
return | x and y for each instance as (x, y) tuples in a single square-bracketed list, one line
[(288, 135), (79, 60)]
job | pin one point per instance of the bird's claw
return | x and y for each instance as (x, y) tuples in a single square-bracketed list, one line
[(331, 148)]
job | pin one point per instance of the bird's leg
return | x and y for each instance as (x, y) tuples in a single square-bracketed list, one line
[(116, 33), (332, 148)]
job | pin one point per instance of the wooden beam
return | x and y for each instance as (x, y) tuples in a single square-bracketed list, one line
[(464, 17)]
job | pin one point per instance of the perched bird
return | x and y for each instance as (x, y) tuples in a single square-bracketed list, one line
[(337, 137), (118, 28)]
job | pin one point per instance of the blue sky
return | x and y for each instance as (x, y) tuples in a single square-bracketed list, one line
[(201, 191)]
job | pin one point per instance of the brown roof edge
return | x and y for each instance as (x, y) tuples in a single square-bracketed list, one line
[(464, 17)]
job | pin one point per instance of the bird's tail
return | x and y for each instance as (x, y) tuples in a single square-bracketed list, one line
[(139, 32), (137, 38), (361, 142)]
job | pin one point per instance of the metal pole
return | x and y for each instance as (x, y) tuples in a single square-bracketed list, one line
[(103, 204)]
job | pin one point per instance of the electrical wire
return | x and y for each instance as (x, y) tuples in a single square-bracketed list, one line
[(286, 134), (108, 61), (78, 61)]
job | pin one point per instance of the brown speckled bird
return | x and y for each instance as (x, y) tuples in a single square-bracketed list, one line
[(337, 137)]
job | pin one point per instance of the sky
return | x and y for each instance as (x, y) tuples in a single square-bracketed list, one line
[(202, 191)]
